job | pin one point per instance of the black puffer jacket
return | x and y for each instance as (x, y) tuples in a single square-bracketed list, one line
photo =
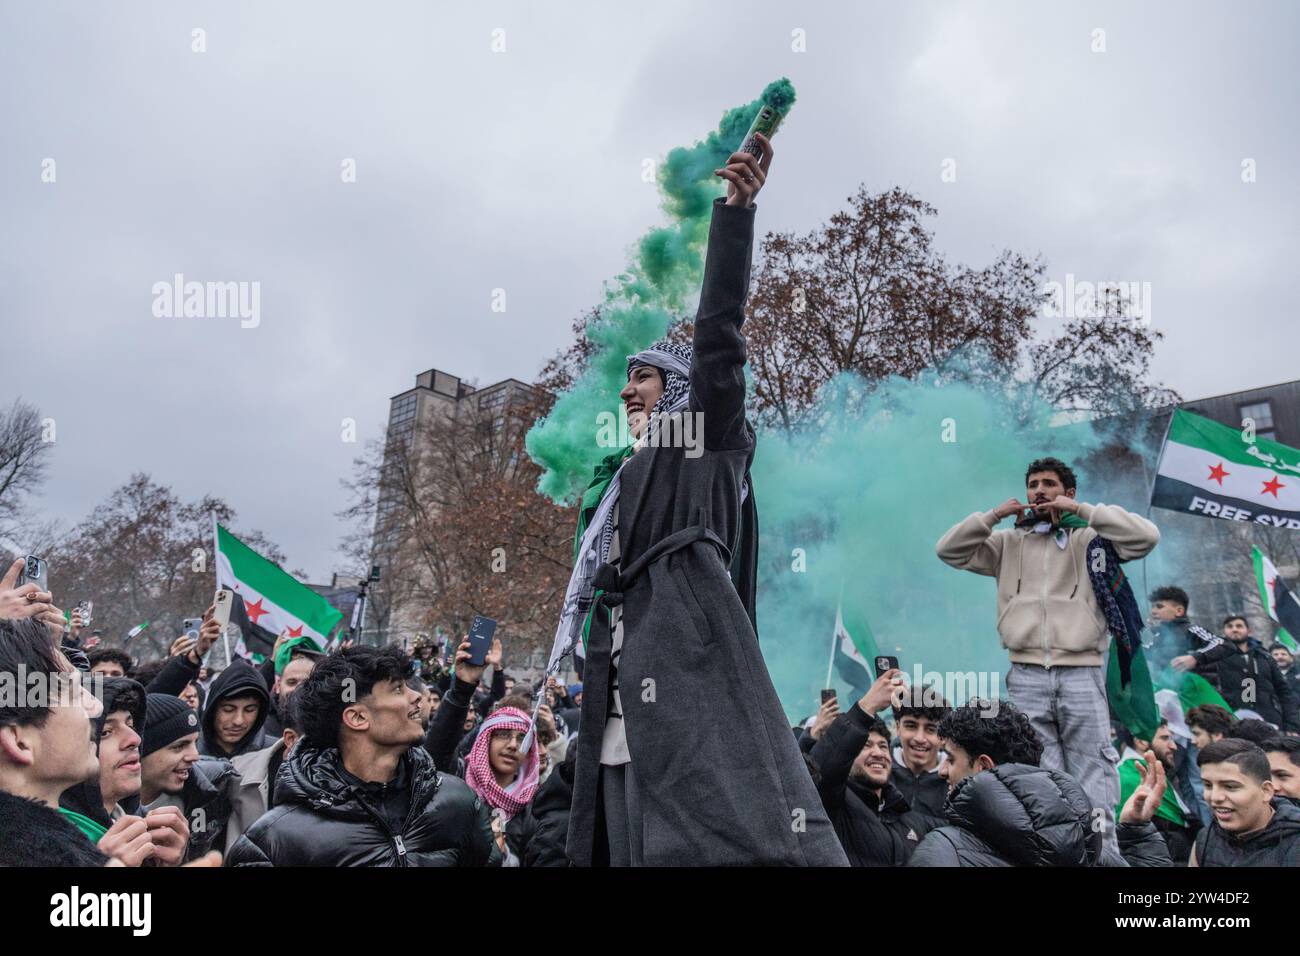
[(240, 679), (207, 803), (1278, 844), (537, 833), (1251, 680), (1014, 815), (926, 793), (875, 829), (323, 818)]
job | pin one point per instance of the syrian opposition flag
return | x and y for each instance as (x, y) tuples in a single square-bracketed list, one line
[(268, 600), (1210, 469), (852, 653), (1279, 600), (137, 630)]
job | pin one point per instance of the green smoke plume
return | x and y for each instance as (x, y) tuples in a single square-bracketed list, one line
[(659, 286), (865, 497)]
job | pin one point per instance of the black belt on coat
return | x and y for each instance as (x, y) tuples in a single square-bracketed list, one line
[(613, 583)]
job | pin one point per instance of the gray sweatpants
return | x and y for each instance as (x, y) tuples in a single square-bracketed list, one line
[(1067, 708)]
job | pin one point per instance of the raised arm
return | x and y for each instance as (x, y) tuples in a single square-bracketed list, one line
[(718, 362)]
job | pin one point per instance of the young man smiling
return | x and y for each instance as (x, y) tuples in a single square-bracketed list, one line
[(873, 820), (359, 790), (1249, 828), (915, 766), (173, 774)]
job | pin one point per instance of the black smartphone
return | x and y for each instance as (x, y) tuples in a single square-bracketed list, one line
[(828, 693), (480, 638), (35, 571), (885, 663)]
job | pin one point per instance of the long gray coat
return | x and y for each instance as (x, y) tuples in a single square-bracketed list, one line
[(719, 776)]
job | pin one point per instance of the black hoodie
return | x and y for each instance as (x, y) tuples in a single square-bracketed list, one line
[(1278, 844), (240, 679), (120, 693)]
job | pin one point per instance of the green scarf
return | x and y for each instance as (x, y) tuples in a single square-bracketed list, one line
[(283, 655), (93, 831), (591, 498)]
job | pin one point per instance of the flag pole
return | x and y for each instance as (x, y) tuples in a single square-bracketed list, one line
[(216, 574), (835, 636)]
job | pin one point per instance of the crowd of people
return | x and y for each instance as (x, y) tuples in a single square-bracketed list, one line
[(370, 756), (676, 748)]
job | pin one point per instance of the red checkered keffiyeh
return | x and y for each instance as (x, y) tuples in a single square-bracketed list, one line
[(478, 770)]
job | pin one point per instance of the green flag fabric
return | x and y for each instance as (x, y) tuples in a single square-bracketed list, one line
[(1135, 705), (1196, 690), (274, 599)]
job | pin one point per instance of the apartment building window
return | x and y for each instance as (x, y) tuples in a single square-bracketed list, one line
[(1261, 413)]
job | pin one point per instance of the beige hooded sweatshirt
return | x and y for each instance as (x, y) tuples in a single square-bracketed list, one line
[(1047, 613)]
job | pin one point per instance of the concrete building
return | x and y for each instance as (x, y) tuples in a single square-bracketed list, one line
[(436, 394)]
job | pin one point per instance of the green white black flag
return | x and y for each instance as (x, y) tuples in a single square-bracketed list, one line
[(1210, 469)]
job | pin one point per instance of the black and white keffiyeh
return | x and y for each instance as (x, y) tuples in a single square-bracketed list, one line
[(674, 361)]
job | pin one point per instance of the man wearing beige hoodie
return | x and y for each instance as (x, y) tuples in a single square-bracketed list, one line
[(1048, 617)]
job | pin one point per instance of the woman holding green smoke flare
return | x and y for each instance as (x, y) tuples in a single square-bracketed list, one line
[(685, 756)]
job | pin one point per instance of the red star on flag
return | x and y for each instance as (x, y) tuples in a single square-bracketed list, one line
[(1272, 486), (1218, 474), (294, 631), (255, 610)]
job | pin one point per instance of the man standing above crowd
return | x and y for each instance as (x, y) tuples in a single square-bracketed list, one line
[(1049, 616)]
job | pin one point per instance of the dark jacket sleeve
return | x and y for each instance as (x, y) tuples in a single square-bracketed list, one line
[(1212, 657), (834, 754), (267, 670), (1142, 845), (498, 691), (718, 361), (478, 848), (175, 674), (447, 726), (1286, 697), (935, 849)]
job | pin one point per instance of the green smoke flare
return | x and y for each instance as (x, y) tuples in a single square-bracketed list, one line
[(659, 286)]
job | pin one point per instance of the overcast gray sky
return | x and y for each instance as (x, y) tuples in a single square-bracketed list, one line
[(521, 170)]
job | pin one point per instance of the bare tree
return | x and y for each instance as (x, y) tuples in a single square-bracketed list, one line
[(144, 555), (459, 528), (23, 458)]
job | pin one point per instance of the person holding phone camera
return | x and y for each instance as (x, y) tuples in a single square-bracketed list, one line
[(676, 696)]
